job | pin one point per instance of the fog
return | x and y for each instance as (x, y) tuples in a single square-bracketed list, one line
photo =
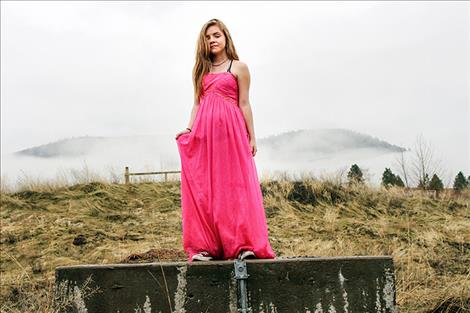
[(392, 70)]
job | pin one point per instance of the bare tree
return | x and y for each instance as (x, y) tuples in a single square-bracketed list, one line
[(402, 168), (423, 165)]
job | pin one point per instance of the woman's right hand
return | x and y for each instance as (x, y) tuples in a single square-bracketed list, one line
[(182, 132)]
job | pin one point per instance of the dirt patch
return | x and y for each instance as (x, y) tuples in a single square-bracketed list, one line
[(156, 255)]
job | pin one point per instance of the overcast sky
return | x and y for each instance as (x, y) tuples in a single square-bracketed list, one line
[(111, 68)]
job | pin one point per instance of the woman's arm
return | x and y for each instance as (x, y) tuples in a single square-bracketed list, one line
[(193, 112), (243, 97), (244, 103)]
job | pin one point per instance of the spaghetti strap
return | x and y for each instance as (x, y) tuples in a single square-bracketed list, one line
[(228, 70)]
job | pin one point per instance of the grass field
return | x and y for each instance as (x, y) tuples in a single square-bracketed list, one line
[(428, 238)]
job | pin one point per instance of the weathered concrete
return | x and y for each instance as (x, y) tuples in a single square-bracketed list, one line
[(290, 285)]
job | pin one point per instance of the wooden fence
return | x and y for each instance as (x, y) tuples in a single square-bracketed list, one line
[(127, 174)]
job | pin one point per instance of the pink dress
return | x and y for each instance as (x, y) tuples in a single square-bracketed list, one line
[(221, 199)]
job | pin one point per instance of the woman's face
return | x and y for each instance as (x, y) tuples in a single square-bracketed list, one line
[(216, 39)]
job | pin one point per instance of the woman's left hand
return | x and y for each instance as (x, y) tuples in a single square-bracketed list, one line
[(253, 146)]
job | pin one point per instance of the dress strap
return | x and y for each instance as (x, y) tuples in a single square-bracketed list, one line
[(228, 70)]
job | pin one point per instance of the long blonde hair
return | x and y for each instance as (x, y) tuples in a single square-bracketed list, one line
[(204, 56)]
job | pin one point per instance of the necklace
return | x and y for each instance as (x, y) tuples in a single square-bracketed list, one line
[(219, 63)]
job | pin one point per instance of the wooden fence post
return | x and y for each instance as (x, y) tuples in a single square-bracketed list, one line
[(126, 175)]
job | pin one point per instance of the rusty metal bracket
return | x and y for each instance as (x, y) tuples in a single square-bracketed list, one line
[(241, 275)]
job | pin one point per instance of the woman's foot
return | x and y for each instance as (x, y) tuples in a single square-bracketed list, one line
[(201, 256), (246, 254)]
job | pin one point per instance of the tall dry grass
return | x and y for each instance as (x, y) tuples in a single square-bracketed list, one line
[(428, 238)]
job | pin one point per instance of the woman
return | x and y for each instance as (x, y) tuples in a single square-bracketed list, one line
[(222, 206)]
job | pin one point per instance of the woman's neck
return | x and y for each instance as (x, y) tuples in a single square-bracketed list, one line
[(219, 58)]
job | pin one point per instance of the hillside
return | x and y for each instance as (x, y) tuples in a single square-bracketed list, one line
[(315, 141), (323, 141), (319, 150), (108, 223)]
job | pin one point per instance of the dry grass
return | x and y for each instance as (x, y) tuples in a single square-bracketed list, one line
[(429, 239)]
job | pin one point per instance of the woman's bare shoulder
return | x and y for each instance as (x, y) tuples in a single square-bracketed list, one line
[(239, 68)]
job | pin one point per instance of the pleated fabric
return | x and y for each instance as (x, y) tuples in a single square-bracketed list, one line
[(221, 199)]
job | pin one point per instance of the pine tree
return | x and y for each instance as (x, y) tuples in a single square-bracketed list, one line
[(424, 183), (355, 174), (399, 182), (460, 182), (436, 183), (388, 179)]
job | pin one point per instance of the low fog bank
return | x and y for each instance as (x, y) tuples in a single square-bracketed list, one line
[(318, 152)]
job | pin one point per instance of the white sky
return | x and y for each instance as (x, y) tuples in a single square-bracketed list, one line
[(108, 68)]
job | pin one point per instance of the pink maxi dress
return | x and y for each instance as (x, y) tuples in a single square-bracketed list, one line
[(221, 199)]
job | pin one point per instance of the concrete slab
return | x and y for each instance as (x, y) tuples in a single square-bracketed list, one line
[(306, 284)]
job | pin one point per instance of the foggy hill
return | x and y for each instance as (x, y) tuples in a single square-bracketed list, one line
[(307, 141), (325, 141)]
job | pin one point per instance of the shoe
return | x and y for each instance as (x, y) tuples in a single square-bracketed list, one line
[(246, 254), (201, 256)]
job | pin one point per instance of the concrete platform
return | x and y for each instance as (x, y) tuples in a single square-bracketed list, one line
[(283, 285)]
